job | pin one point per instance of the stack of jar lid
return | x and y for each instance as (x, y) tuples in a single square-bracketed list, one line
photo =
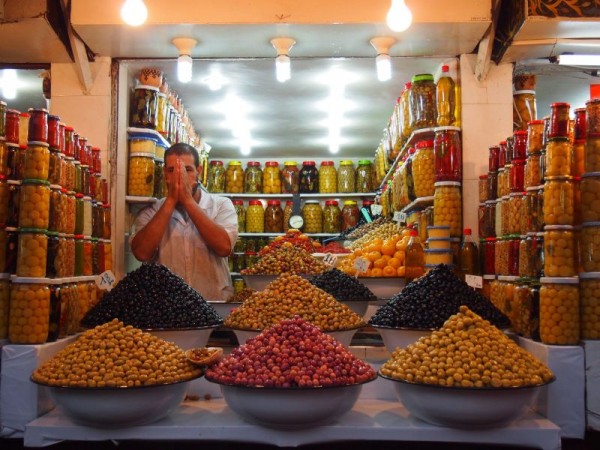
[(145, 175), (439, 250)]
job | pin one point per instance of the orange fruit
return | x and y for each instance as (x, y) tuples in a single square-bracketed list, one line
[(394, 262), (373, 256), (358, 252), (402, 243), (379, 263), (389, 271), (386, 258), (376, 272), (399, 254), (400, 271), (388, 248)]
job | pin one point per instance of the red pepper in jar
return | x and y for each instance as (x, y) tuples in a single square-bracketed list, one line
[(12, 126), (53, 132), (38, 125), (517, 176), (519, 145), (489, 260), (494, 158), (448, 154), (559, 120), (580, 125)]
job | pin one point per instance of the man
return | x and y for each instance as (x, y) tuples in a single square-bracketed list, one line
[(190, 230)]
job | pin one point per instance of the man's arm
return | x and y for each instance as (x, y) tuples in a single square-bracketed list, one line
[(146, 241)]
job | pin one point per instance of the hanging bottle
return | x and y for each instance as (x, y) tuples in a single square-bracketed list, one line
[(446, 98)]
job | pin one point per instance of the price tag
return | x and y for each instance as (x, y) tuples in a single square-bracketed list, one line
[(399, 217), (474, 281), (376, 210), (361, 264), (106, 280), (330, 259)]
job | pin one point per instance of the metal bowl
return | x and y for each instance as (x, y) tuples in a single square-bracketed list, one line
[(224, 308), (383, 287), (400, 337), (184, 338)]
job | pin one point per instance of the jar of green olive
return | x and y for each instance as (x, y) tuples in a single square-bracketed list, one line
[(332, 217), (313, 217), (423, 102), (346, 177), (364, 176)]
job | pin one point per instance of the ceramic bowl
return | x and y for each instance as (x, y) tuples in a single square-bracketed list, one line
[(400, 337), (184, 338), (224, 308), (383, 287), (358, 306)]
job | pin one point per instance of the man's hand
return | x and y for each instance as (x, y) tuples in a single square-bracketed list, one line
[(185, 190)]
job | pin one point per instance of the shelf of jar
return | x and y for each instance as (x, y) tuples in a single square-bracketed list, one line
[(418, 204), (302, 195), (148, 132), (136, 199), (316, 235)]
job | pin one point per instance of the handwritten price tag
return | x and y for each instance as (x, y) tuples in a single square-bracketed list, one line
[(106, 280), (376, 209), (361, 264), (474, 281), (399, 217), (330, 259)]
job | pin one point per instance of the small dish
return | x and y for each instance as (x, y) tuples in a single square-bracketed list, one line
[(204, 356)]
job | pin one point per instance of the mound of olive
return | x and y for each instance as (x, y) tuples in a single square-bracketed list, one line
[(287, 258), (342, 286)]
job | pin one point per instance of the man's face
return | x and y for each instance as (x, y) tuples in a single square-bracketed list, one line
[(191, 171)]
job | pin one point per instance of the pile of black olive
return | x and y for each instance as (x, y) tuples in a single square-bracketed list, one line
[(430, 300), (153, 297), (343, 287)]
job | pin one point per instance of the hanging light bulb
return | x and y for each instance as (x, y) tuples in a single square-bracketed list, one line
[(9, 84), (399, 16), (134, 12), (283, 69), (382, 46), (184, 61)]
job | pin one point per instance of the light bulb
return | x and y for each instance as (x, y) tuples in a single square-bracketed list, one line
[(399, 16), (282, 68), (384, 67), (134, 12), (184, 68), (9, 84)]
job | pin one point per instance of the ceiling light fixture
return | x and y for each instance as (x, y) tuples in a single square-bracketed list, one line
[(283, 45), (134, 12), (184, 61), (383, 61), (579, 60), (9, 84), (399, 16)]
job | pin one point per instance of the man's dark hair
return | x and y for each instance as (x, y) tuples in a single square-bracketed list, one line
[(183, 149)]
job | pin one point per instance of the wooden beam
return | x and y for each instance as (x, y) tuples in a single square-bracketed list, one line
[(486, 45), (82, 64)]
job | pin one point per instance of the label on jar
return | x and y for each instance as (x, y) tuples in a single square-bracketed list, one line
[(376, 209), (106, 280), (475, 281), (330, 259), (361, 265)]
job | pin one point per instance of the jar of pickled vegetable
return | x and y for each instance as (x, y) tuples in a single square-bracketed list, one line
[(558, 201), (271, 178), (559, 251), (54, 209), (144, 107), (234, 177), (140, 175), (532, 170), (592, 154), (350, 215), (69, 212), (78, 186), (559, 311), (517, 176), (525, 253), (87, 216), (422, 100), (274, 217), (364, 176), (255, 217), (216, 177), (501, 253), (524, 108), (534, 209), (241, 215), (290, 177), (69, 173), (347, 176), (558, 157), (578, 158), (516, 209), (505, 215), (309, 178), (32, 252), (590, 246), (423, 171), (29, 311), (332, 217), (37, 161), (502, 183), (313, 217), (489, 256), (592, 117), (160, 185), (589, 294), (559, 120), (253, 178), (491, 181), (535, 132), (327, 178), (448, 154), (519, 150), (482, 188), (34, 204), (447, 206)]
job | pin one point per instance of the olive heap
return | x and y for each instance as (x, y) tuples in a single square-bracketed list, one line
[(153, 297), (288, 296), (467, 352), (241, 296), (287, 258), (293, 353), (342, 286), (116, 355), (430, 300)]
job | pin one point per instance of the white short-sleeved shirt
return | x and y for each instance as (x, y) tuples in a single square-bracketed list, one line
[(184, 252)]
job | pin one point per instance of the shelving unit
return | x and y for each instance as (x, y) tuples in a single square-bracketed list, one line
[(418, 204), (147, 132), (315, 235)]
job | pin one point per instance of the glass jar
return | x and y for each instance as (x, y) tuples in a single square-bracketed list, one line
[(29, 323), (590, 197), (271, 178), (37, 161), (422, 100), (68, 219), (52, 254), (559, 251), (241, 215), (309, 178), (517, 176), (78, 185), (253, 178), (346, 177), (559, 311), (332, 217), (86, 179), (505, 215), (12, 250), (535, 132), (532, 170), (514, 242), (140, 180), (492, 185), (216, 177), (160, 186), (313, 217), (537, 256), (4, 170), (502, 184), (447, 206), (483, 188), (32, 252), (327, 178), (87, 216), (23, 129), (290, 178), (38, 125), (55, 213), (65, 258), (108, 265), (519, 150), (490, 218), (69, 173), (234, 177), (524, 109), (534, 209), (144, 107), (516, 210), (79, 213), (3, 249), (494, 158), (498, 219), (592, 154), (106, 234), (4, 201), (87, 256), (579, 125), (489, 256), (448, 154), (255, 217), (34, 204), (558, 201), (273, 217), (590, 247), (523, 302), (578, 158), (287, 213), (54, 164), (501, 256), (497, 295), (589, 294), (12, 126), (592, 117), (364, 176), (97, 219), (350, 215), (525, 253), (79, 255), (423, 170), (558, 157), (14, 161), (559, 120)]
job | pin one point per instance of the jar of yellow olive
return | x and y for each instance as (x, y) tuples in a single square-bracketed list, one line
[(241, 215), (327, 178), (332, 217), (313, 217), (577, 161), (559, 251), (255, 217), (29, 312), (32, 252), (558, 157), (216, 177), (423, 172), (589, 293), (253, 178), (505, 215), (346, 177), (234, 177), (592, 154), (273, 217), (34, 204), (271, 178), (590, 197), (532, 170), (559, 310), (516, 208), (37, 161), (447, 206), (558, 201), (590, 246), (140, 175)]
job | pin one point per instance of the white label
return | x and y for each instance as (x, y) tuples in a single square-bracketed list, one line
[(106, 280), (361, 264), (399, 217), (376, 209), (474, 281), (330, 259)]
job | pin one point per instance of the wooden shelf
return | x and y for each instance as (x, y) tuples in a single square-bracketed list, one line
[(302, 195), (418, 204)]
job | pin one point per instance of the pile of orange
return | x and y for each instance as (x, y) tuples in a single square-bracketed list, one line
[(385, 256)]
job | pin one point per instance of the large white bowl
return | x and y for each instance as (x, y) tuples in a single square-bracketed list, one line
[(259, 282), (184, 338), (383, 287), (118, 407), (291, 408), (344, 336), (224, 308), (358, 306), (467, 408), (400, 337)]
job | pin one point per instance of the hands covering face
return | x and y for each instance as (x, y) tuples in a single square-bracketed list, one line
[(181, 179)]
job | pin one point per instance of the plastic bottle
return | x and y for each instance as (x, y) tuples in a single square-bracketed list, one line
[(446, 98), (415, 257), (469, 255)]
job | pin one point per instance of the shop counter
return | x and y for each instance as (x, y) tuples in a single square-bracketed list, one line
[(592, 383)]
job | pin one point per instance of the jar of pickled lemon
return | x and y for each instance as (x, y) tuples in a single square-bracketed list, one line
[(253, 178), (346, 177), (589, 294), (423, 172), (271, 178), (32, 253), (558, 201), (140, 181), (559, 310), (255, 217), (559, 251), (37, 161), (234, 177), (558, 157), (29, 312), (34, 204), (590, 246), (216, 177), (516, 209), (332, 217), (313, 217), (590, 197), (447, 206), (290, 177), (327, 178)]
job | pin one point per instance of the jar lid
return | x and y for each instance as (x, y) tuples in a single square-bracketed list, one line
[(140, 155), (289, 203), (29, 280), (95, 149), (273, 203), (272, 164), (368, 202), (560, 280), (290, 163), (346, 162), (489, 277), (238, 202), (427, 143), (216, 163), (56, 187), (524, 92), (509, 278), (446, 183), (517, 194), (78, 195), (364, 162), (308, 163), (590, 224), (79, 236), (11, 229), (592, 101), (491, 202), (312, 202), (78, 163), (87, 198), (37, 144), (32, 230), (559, 105), (589, 275), (590, 175), (446, 128), (422, 77), (350, 202), (536, 122), (255, 202), (23, 114), (42, 110), (234, 163), (483, 177), (35, 181), (52, 233), (331, 203), (439, 251), (253, 164), (144, 86), (559, 178), (520, 133), (558, 228), (327, 163)]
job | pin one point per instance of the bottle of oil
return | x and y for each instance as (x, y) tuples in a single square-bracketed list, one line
[(446, 98), (415, 257), (469, 258)]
